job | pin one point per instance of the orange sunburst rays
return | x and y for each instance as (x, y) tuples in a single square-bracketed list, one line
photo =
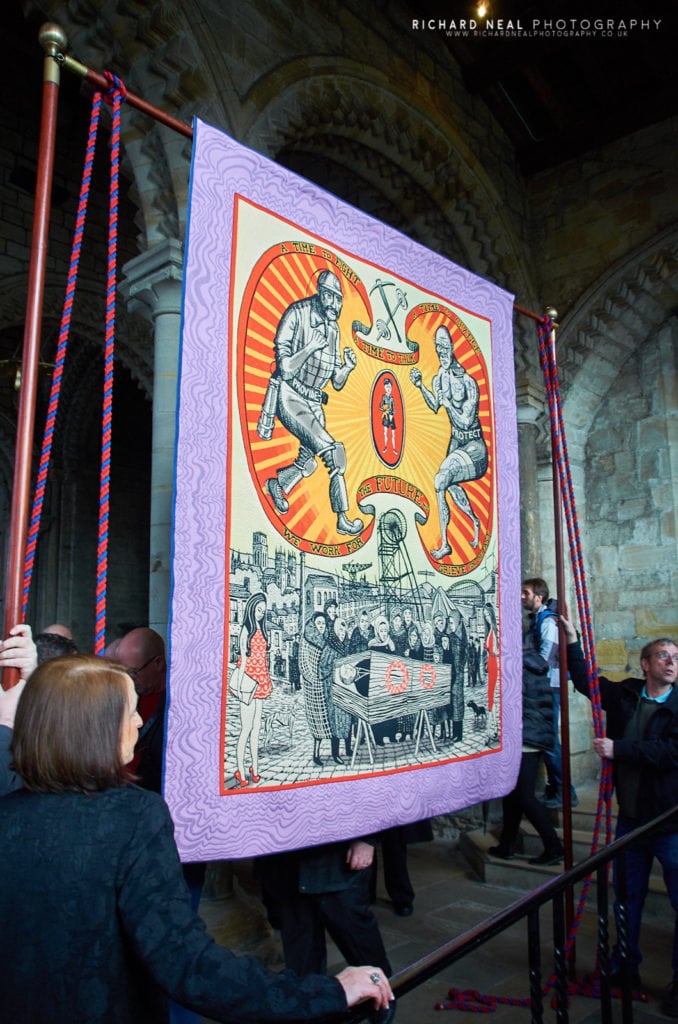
[(283, 281)]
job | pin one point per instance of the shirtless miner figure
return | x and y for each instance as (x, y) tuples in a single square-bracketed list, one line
[(466, 459), (308, 357)]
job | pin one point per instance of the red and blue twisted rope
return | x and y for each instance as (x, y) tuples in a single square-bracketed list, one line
[(115, 96), (470, 1000), (549, 366), (60, 357)]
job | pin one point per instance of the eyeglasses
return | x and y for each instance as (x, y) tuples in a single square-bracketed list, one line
[(666, 656), (134, 672)]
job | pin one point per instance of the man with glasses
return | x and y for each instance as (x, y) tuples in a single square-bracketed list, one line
[(142, 652), (642, 743)]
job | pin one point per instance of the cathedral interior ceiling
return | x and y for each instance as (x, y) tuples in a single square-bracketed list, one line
[(424, 171)]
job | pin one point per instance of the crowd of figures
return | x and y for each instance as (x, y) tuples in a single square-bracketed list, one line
[(327, 638)]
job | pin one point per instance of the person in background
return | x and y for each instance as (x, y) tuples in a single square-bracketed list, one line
[(52, 644), (324, 887), (142, 652), (394, 842), (59, 629), (92, 899), (642, 743), (542, 635), (16, 651), (537, 737)]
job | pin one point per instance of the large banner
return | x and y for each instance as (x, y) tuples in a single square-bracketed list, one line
[(345, 648)]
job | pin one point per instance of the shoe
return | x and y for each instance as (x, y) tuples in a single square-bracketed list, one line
[(502, 852), (403, 909), (254, 778), (555, 802), (547, 857), (635, 983), (669, 1003), (276, 492), (239, 779)]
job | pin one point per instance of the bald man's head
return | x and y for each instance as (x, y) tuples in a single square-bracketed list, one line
[(142, 652)]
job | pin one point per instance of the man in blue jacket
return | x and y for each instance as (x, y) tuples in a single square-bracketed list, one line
[(642, 743)]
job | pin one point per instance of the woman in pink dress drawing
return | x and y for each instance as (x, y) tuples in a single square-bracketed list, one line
[(254, 685), (492, 671)]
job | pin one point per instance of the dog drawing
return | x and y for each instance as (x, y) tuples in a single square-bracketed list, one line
[(479, 711)]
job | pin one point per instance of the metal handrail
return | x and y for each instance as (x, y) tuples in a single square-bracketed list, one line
[(527, 907)]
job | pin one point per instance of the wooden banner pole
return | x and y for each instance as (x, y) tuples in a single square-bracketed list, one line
[(562, 665), (52, 39), (102, 83)]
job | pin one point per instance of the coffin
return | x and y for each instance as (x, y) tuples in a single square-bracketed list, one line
[(378, 686)]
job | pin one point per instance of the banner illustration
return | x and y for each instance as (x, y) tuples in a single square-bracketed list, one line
[(342, 523)]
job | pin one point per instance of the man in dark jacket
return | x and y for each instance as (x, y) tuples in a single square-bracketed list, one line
[(537, 738), (323, 887), (642, 743)]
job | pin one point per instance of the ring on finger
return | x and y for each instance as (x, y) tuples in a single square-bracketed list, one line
[(374, 976)]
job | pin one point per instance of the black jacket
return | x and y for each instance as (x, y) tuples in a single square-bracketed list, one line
[(97, 926), (656, 753), (537, 702)]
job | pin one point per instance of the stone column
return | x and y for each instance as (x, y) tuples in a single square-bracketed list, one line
[(530, 407), (153, 287)]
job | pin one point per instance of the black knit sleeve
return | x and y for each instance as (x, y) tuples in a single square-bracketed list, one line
[(155, 910)]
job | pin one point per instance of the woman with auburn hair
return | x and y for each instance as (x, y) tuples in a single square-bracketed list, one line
[(93, 903)]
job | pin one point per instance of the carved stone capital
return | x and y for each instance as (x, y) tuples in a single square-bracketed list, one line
[(530, 402), (152, 284)]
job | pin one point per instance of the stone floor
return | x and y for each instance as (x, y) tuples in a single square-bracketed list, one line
[(451, 899)]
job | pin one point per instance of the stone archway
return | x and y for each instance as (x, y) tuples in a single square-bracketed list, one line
[(424, 169)]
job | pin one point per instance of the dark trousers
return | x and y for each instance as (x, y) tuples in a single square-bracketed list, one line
[(639, 858), (345, 913), (396, 875), (521, 800)]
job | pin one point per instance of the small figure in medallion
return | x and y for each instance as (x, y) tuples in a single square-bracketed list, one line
[(387, 410)]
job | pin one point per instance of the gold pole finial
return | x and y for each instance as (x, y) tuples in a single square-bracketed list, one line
[(52, 38), (552, 312)]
